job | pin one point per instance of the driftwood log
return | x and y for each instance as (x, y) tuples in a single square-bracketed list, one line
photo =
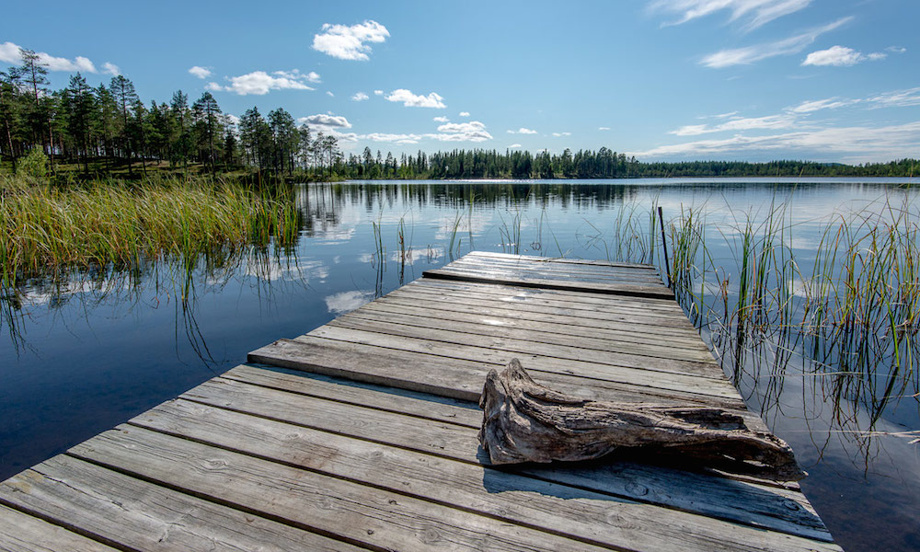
[(524, 421)]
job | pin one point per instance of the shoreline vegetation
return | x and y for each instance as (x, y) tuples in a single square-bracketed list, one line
[(90, 133)]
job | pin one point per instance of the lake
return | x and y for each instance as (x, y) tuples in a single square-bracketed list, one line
[(82, 355)]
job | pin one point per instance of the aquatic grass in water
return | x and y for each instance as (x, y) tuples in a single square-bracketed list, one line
[(44, 229)]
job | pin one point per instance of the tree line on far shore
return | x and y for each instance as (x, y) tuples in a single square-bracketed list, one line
[(103, 129)]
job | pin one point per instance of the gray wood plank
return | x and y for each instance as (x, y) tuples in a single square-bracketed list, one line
[(131, 513), (585, 273), (357, 513), (649, 322), (559, 298), (587, 335), (679, 489), (560, 260), (21, 532), (545, 342), (509, 496), (392, 399), (445, 376), (614, 289), (661, 381), (515, 269)]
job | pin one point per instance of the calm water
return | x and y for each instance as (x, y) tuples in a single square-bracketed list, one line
[(80, 357)]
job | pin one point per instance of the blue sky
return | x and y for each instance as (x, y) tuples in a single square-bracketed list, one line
[(824, 80)]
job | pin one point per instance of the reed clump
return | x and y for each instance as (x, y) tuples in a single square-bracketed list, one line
[(113, 225)]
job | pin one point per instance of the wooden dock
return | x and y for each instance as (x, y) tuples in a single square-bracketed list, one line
[(362, 434)]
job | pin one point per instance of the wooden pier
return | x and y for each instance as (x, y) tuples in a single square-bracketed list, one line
[(362, 434)]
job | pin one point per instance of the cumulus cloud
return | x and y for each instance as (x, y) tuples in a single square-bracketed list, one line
[(200, 72), (378, 92), (320, 119), (111, 69), (787, 46), (522, 130), (840, 56), (9, 53), (441, 120), (409, 99), (260, 83), (464, 113), (756, 13), (352, 43), (514, 146), (473, 131), (360, 97)]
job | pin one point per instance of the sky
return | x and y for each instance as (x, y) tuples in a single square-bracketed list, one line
[(663, 80)]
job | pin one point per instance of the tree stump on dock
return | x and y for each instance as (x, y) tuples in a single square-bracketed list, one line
[(524, 421)]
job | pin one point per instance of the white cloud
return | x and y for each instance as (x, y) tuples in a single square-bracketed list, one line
[(200, 72), (756, 12), (312, 76), (840, 56), (772, 122), (561, 134), (896, 98), (260, 83), (522, 130), (9, 53), (360, 97), (343, 42), (324, 120), (514, 146), (464, 113), (441, 120), (851, 144), (111, 69), (378, 92), (214, 87), (473, 131), (751, 54), (896, 49), (603, 128), (330, 94), (412, 100), (395, 138), (232, 119), (818, 105)]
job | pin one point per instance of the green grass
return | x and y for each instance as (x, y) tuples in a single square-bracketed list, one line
[(46, 229)]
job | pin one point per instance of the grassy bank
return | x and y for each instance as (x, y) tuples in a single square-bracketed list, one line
[(46, 229)]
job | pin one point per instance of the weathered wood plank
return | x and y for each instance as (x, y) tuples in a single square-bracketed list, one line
[(445, 376), (655, 484), (532, 258), (559, 298), (128, 512), (21, 532), (509, 496), (422, 405), (574, 273), (666, 381), (656, 323), (356, 513), (526, 296), (591, 336), (615, 289), (547, 342), (550, 271)]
